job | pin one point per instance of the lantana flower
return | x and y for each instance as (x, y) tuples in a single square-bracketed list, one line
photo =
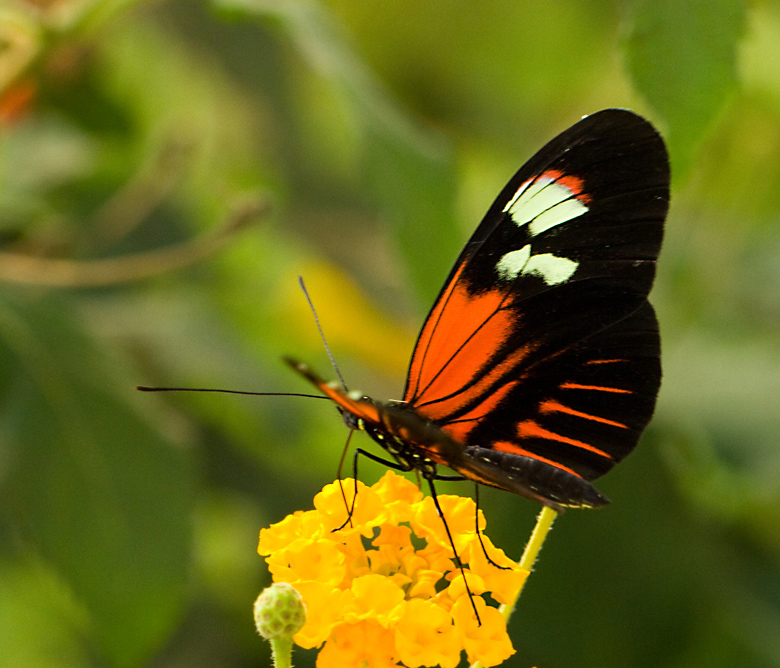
[(385, 590)]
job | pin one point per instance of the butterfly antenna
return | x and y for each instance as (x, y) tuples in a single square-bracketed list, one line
[(144, 388), (322, 334)]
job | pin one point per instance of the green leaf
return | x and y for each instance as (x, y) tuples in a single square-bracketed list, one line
[(683, 59), (42, 623), (417, 195), (407, 169), (90, 484)]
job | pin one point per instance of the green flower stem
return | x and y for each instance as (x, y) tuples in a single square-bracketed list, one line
[(543, 525), (281, 649)]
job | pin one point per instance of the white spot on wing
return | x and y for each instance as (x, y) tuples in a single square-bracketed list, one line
[(552, 269), (513, 263), (543, 204), (556, 215), (517, 195)]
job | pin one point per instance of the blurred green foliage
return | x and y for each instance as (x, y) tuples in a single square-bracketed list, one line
[(141, 144)]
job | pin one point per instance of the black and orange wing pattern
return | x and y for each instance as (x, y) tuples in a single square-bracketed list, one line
[(539, 364), (541, 354)]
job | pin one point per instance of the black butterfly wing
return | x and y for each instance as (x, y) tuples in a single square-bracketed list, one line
[(542, 344)]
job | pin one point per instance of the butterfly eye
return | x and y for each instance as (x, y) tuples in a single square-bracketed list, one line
[(350, 419)]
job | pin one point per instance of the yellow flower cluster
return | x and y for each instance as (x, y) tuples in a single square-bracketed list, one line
[(385, 590)]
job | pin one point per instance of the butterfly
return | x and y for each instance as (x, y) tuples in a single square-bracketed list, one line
[(538, 366)]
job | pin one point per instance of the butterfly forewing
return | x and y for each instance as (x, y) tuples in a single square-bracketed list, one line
[(542, 342)]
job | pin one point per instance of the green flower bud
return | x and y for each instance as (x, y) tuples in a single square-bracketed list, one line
[(279, 612)]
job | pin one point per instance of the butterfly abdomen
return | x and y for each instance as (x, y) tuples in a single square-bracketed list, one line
[(531, 478), (419, 443)]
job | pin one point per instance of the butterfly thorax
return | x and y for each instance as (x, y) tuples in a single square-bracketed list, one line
[(414, 441)]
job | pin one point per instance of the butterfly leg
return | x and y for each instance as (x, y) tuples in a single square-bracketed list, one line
[(459, 478), (459, 563), (341, 481), (479, 533), (450, 478), (386, 462)]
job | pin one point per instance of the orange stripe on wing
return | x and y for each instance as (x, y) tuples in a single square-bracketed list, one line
[(419, 356), (573, 183), (531, 429), (458, 339), (598, 388), (460, 428), (552, 406), (440, 409), (513, 449), (609, 361)]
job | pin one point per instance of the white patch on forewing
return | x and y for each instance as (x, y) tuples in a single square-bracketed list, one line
[(543, 204), (550, 268), (516, 196), (513, 263), (556, 215)]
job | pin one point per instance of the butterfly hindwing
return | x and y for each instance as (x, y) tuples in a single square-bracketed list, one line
[(584, 409), (542, 344)]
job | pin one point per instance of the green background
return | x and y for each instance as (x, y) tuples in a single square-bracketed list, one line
[(168, 169)]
